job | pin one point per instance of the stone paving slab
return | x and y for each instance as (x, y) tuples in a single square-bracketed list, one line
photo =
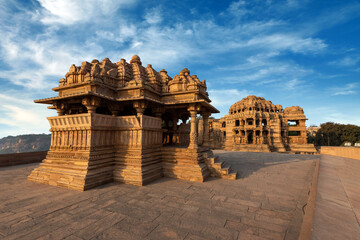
[(337, 206), (264, 203)]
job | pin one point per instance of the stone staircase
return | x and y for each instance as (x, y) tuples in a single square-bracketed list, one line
[(219, 168)]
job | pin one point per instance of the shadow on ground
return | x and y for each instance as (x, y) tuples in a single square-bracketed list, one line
[(247, 163)]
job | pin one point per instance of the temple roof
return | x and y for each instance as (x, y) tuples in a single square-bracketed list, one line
[(253, 101), (123, 81)]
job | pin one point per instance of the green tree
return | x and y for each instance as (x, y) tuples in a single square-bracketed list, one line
[(335, 134)]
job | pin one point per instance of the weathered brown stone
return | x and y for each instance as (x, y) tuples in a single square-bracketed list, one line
[(257, 125), (119, 122)]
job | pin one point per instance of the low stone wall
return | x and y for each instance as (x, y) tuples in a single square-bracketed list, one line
[(21, 158), (347, 152)]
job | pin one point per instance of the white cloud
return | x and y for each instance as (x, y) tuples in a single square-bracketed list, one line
[(238, 8), (32, 62), (288, 42), (264, 69), (347, 61), (293, 84), (348, 89), (70, 12), (22, 116), (333, 114), (153, 16), (224, 98), (227, 97)]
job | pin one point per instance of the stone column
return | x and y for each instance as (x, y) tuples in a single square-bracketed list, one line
[(193, 131), (175, 127), (60, 112), (140, 112), (91, 103), (246, 137), (206, 116), (140, 109), (261, 137), (115, 109), (60, 108)]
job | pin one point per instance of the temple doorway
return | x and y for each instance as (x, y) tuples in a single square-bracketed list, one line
[(250, 138)]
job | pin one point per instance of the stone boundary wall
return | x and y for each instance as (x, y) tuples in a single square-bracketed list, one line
[(21, 158), (347, 152)]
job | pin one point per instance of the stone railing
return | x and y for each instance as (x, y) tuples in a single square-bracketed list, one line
[(80, 131), (151, 122), (347, 152), (127, 122), (70, 121), (21, 158)]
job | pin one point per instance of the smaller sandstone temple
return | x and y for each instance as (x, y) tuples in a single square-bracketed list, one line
[(257, 125), (127, 123)]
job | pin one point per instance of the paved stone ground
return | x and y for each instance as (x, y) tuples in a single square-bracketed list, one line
[(264, 203), (337, 206)]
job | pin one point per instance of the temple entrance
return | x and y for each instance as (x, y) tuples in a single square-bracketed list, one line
[(250, 138)]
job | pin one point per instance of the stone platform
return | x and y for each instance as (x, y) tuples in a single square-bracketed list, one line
[(337, 208), (265, 202)]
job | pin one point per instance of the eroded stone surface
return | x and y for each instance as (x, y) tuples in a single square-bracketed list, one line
[(262, 204)]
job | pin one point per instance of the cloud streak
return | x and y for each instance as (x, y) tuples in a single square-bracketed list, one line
[(348, 89)]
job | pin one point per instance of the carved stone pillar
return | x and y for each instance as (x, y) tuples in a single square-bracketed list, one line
[(91, 103), (60, 108), (176, 138), (139, 107), (193, 131), (246, 137), (206, 116), (261, 137)]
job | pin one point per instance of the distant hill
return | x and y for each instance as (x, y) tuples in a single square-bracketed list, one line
[(25, 143)]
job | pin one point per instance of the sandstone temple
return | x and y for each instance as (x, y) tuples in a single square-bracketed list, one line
[(128, 123), (257, 125)]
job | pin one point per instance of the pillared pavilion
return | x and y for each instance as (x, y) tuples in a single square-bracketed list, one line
[(127, 123)]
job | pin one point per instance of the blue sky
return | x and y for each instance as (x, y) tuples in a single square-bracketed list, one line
[(304, 53)]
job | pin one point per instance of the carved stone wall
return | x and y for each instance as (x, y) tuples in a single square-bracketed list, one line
[(257, 125), (91, 149)]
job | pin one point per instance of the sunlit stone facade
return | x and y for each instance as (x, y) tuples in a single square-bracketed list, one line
[(257, 125), (127, 123)]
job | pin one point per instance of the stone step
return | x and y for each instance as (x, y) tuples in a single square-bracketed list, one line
[(232, 175), (225, 170), (219, 164), (213, 160)]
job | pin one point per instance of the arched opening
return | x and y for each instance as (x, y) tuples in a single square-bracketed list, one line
[(223, 124), (237, 122)]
